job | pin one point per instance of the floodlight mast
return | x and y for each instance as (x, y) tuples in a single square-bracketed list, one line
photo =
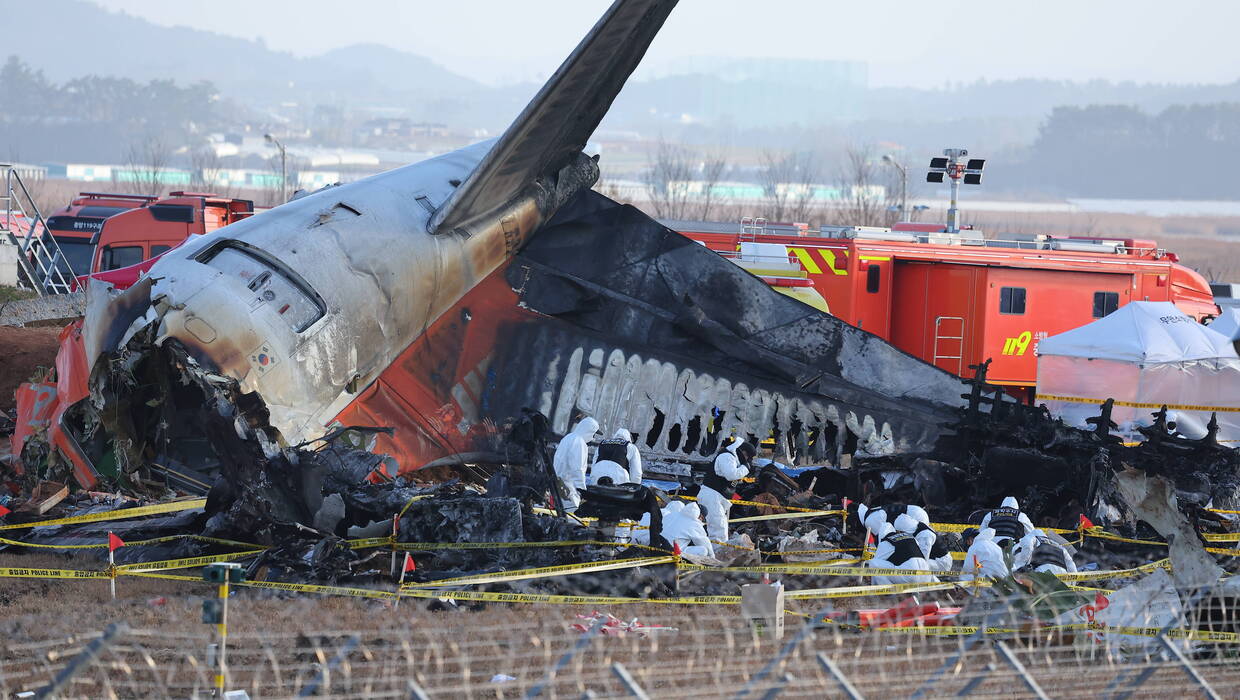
[(955, 171)]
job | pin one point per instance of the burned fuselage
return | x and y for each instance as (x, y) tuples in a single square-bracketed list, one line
[(412, 300)]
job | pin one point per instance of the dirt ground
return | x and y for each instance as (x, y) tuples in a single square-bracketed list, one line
[(279, 643), (22, 351)]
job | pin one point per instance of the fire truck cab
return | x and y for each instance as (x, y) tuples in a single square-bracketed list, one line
[(958, 299), (157, 226), (74, 226)]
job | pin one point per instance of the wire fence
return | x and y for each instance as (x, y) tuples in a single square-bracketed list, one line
[(711, 653)]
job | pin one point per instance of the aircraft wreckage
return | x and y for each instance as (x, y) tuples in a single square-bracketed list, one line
[(442, 298), (421, 313)]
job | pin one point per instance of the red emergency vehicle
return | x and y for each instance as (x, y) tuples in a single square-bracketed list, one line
[(74, 226), (157, 226), (959, 299)]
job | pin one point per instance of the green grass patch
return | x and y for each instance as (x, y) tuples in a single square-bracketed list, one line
[(8, 294)]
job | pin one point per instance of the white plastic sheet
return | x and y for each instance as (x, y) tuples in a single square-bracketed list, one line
[(1142, 331), (1145, 355)]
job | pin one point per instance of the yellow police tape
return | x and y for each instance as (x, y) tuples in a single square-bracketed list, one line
[(961, 527), (133, 543), (1101, 534), (546, 598), (785, 516), (1225, 552), (432, 546), (1195, 635), (827, 570), (328, 590), (887, 589), (371, 542), (1138, 404), (118, 514), (411, 501), (739, 502), (187, 563), (556, 599), (1115, 573), (799, 552), (10, 572), (811, 570), (544, 572)]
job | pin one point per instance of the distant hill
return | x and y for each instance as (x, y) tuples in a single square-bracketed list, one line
[(101, 42)]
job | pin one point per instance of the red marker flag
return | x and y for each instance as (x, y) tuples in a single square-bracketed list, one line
[(1086, 523), (4, 511), (410, 565), (676, 548), (846, 503), (114, 542)]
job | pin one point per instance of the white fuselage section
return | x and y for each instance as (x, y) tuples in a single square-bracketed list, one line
[(315, 298)]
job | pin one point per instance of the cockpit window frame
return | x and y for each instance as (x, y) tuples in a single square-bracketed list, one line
[(207, 254)]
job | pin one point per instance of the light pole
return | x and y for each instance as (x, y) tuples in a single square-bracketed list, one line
[(890, 160), (283, 166), (951, 167)]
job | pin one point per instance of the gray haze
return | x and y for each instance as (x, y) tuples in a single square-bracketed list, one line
[(906, 42)]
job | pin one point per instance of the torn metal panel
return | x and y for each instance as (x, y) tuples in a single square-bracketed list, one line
[(1153, 500)]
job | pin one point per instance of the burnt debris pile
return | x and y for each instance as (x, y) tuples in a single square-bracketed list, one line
[(1058, 473)]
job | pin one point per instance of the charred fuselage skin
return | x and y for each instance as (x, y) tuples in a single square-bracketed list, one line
[(361, 256)]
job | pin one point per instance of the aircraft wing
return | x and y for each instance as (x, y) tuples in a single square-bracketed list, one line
[(556, 124)]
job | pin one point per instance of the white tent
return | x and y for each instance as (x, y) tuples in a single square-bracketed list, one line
[(1144, 355), (1228, 323)]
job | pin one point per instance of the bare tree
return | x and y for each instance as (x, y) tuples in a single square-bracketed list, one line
[(206, 168), (710, 173), (684, 185), (667, 181), (148, 164), (789, 181), (862, 196)]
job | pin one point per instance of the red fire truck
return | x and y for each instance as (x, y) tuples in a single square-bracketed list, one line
[(75, 226), (155, 227), (955, 299)]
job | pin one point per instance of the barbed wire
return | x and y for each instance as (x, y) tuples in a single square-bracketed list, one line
[(713, 654)]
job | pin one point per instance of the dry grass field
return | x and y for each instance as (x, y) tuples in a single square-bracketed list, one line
[(281, 643)]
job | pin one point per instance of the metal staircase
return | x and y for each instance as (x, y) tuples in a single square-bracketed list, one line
[(42, 266)]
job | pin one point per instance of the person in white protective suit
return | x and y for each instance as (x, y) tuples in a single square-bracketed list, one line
[(718, 484), (641, 535), (984, 558), (607, 469), (932, 545), (684, 526), (898, 549), (572, 456), (1038, 551), (872, 518), (635, 456), (1008, 522)]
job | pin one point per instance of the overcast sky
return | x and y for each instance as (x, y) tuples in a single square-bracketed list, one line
[(906, 42)]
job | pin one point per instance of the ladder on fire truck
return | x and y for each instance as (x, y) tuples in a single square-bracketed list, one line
[(949, 338), (42, 266), (751, 228)]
